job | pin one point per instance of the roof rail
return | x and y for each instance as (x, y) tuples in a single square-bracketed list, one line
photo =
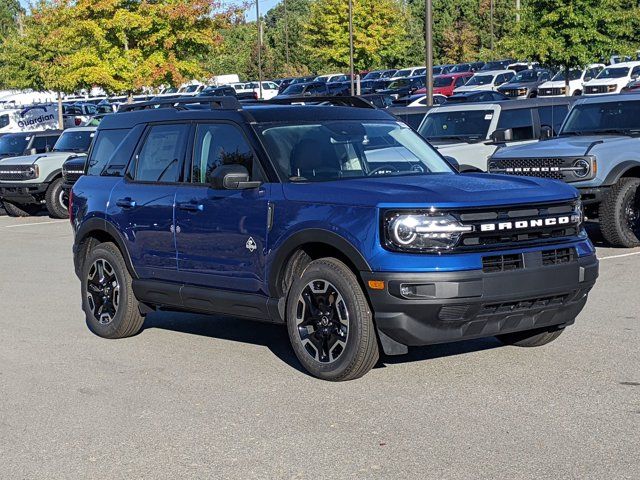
[(346, 101), (219, 103)]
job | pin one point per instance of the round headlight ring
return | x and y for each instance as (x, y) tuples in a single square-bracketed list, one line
[(582, 168)]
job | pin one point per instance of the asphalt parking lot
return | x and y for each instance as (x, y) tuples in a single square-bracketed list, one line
[(205, 397)]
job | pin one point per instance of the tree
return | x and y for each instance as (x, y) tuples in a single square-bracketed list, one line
[(119, 45), (10, 12), (379, 34), (284, 31), (572, 34)]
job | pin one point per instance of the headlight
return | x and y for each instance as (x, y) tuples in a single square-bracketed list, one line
[(522, 91), (581, 168), (32, 172), (417, 231), (612, 88)]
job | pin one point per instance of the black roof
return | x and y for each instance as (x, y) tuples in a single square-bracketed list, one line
[(228, 108)]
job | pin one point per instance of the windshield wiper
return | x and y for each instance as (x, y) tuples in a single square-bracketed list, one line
[(617, 131)]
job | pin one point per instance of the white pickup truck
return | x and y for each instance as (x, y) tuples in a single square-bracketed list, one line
[(613, 79), (557, 86)]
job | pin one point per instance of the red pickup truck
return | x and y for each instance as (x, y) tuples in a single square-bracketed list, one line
[(445, 84)]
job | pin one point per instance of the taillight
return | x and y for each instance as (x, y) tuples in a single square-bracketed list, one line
[(255, 95), (70, 206), (78, 122)]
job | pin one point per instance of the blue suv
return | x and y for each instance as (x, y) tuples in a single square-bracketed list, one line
[(336, 220)]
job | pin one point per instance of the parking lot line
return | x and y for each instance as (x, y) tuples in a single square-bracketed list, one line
[(35, 223), (619, 256)]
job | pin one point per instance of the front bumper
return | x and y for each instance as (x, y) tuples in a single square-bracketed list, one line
[(23, 192), (472, 304)]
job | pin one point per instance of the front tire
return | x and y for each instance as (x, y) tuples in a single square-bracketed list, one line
[(110, 307), (329, 322), (19, 209), (57, 205), (530, 338), (620, 213)]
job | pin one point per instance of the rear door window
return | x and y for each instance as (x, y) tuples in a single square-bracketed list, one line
[(161, 155), (520, 121)]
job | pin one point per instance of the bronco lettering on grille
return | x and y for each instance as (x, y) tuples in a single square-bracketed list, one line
[(537, 222)]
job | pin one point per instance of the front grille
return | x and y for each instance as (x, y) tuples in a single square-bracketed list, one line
[(526, 225), (511, 92), (597, 89), (530, 167), (547, 92), (523, 305), (559, 256), (71, 176), (502, 263), (15, 172)]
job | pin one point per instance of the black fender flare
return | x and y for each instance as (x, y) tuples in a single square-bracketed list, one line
[(312, 235), (619, 170), (464, 168), (52, 176), (100, 225)]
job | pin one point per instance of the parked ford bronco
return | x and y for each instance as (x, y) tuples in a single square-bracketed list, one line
[(339, 222), (598, 152), (28, 182)]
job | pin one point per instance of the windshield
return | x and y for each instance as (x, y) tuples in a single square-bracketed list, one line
[(494, 65), (609, 117), (372, 75), (464, 125), (403, 73), (336, 150), (614, 72), (573, 75), (480, 80), (525, 76), (442, 82), (77, 141), (13, 144), (293, 89), (191, 88), (465, 67)]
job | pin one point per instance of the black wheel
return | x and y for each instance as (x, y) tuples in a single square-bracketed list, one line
[(111, 309), (330, 323), (19, 209), (57, 201), (620, 213), (531, 338)]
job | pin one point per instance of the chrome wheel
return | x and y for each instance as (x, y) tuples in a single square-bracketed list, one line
[(322, 321), (103, 291), (63, 199)]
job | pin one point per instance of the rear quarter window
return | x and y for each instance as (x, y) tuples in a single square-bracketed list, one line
[(104, 146)]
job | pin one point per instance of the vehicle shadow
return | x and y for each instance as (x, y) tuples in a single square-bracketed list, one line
[(275, 338)]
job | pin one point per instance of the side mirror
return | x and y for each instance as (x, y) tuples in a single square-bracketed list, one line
[(502, 135), (546, 132), (232, 177), (453, 162)]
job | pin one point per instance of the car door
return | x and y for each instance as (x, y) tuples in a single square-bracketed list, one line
[(142, 205), (221, 234)]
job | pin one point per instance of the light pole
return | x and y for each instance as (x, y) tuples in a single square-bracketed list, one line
[(491, 24), (286, 32), (428, 38), (351, 68), (259, 24), (517, 10)]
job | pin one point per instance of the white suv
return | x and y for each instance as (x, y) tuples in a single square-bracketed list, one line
[(612, 79), (556, 87), (490, 80)]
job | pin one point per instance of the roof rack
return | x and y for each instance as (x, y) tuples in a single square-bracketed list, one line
[(346, 101), (219, 103)]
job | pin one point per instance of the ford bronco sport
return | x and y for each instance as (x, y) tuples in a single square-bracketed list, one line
[(339, 222)]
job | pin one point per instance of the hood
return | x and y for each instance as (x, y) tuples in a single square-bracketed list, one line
[(31, 159), (560, 147), (436, 190), (558, 84), (473, 88), (606, 81)]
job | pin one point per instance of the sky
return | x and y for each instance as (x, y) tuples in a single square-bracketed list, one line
[(265, 5)]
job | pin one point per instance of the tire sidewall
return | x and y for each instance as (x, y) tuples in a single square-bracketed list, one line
[(344, 284), (54, 193), (107, 253), (629, 190)]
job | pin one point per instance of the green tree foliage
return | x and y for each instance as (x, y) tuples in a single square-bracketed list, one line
[(120, 45), (576, 32), (10, 12), (379, 34)]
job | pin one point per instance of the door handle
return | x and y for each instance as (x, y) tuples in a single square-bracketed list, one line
[(191, 207), (126, 203)]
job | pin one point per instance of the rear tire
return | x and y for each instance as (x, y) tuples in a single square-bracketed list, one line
[(19, 209), (530, 338), (330, 323), (620, 213), (55, 198), (110, 307)]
